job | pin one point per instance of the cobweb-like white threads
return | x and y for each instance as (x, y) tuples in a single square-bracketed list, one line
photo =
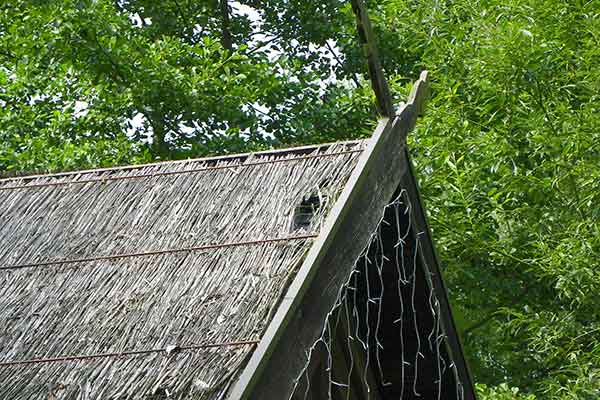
[(360, 310)]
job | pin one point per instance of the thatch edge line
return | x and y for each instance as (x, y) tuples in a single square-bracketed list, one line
[(183, 172), (240, 156)]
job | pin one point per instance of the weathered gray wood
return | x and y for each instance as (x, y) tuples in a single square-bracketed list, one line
[(385, 165), (297, 324), (345, 365), (205, 297), (369, 43), (433, 274), (331, 262), (299, 318), (418, 94)]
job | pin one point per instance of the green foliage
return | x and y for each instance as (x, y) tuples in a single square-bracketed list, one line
[(508, 152), (510, 167), (500, 392), (189, 95)]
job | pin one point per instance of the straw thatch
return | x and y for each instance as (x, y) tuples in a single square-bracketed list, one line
[(183, 262)]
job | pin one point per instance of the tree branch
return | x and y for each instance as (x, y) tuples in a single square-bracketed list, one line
[(260, 112), (185, 19), (480, 323), (490, 317), (8, 54), (353, 77), (112, 62), (226, 39), (261, 45)]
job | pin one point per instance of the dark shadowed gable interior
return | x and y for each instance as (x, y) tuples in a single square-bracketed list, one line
[(306, 273)]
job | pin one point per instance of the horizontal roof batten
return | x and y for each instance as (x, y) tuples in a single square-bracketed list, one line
[(166, 350), (170, 173), (230, 157), (157, 252)]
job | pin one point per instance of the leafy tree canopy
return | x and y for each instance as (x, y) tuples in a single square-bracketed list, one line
[(87, 83), (508, 152)]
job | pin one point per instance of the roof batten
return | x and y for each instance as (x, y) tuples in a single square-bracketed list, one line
[(158, 252), (169, 173), (129, 353)]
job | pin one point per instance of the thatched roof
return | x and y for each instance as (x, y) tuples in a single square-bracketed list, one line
[(229, 278), (158, 280)]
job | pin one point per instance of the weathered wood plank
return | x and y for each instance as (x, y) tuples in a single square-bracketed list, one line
[(297, 324), (299, 318), (369, 44), (418, 94), (331, 264)]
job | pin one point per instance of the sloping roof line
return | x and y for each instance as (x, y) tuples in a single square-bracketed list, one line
[(380, 170), (167, 350), (156, 252), (241, 157)]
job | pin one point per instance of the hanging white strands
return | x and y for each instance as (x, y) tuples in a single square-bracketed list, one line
[(388, 279)]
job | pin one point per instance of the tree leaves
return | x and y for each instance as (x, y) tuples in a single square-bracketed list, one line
[(505, 173)]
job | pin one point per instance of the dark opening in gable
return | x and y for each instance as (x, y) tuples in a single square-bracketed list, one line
[(305, 211), (385, 339), (409, 333)]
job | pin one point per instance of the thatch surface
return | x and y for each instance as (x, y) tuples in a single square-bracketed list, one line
[(151, 302)]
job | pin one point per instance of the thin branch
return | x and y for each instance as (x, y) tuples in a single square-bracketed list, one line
[(261, 112), (263, 44), (480, 323), (266, 33), (186, 20), (352, 76), (490, 317), (8, 54), (116, 66)]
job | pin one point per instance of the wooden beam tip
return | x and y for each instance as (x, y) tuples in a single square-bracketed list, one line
[(419, 93)]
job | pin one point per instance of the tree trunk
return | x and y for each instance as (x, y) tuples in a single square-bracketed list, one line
[(160, 148), (226, 39)]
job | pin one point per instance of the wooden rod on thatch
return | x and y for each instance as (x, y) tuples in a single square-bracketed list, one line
[(157, 252), (168, 350), (168, 173)]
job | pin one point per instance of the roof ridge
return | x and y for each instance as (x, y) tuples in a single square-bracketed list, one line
[(229, 157)]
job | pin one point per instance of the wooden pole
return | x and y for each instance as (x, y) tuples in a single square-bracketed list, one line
[(367, 39)]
